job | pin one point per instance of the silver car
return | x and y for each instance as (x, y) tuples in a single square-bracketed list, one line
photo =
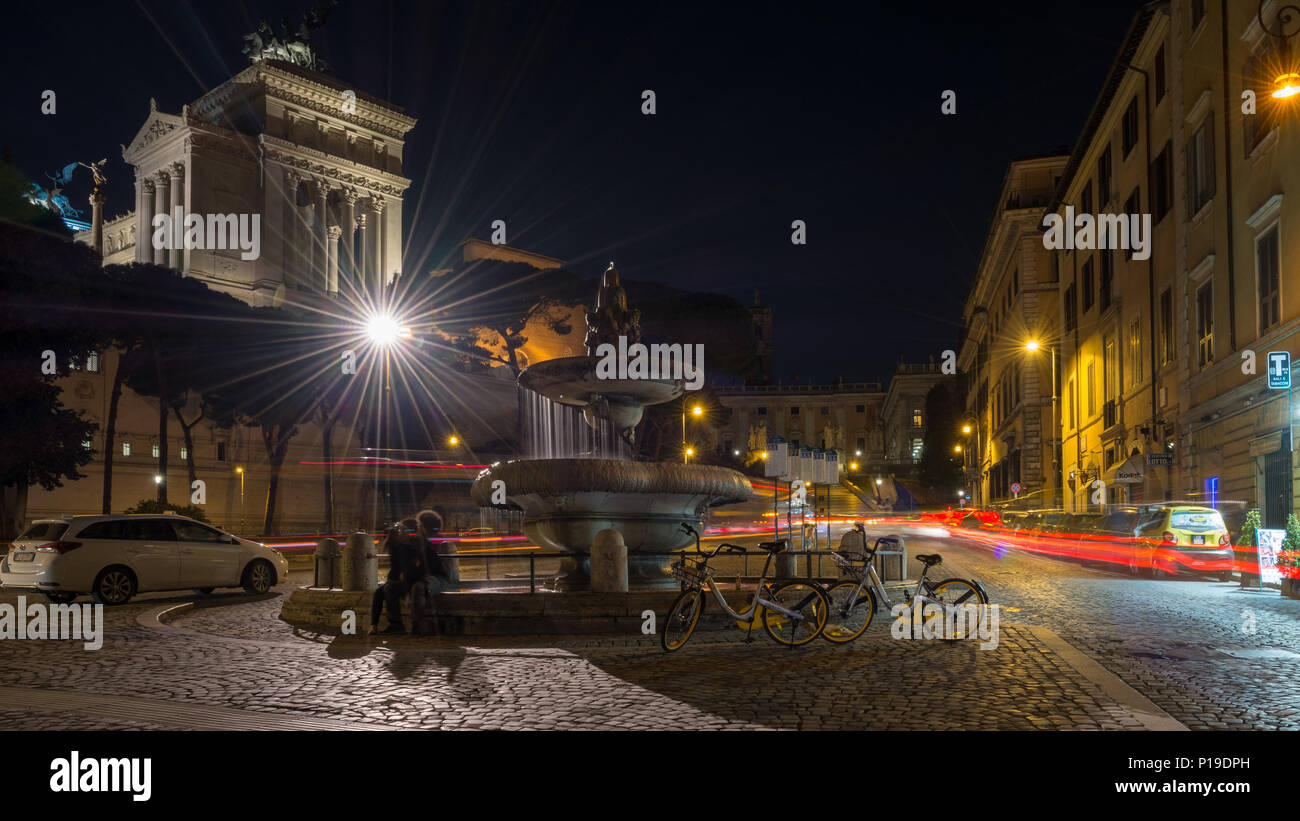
[(115, 557)]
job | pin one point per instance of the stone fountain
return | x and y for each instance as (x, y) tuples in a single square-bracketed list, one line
[(567, 501)]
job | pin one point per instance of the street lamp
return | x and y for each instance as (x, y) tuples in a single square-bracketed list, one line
[(695, 411), (240, 471), (1287, 83), (1032, 346), (453, 440)]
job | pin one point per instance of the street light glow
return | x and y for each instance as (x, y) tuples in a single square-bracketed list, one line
[(1031, 345), (157, 480), (1288, 85), (453, 440), (697, 410), (384, 330), (965, 428), (853, 465), (956, 449)]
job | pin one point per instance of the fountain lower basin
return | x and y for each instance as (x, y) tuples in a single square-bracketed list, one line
[(566, 502)]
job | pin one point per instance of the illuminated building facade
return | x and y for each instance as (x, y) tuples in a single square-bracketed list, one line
[(1012, 307)]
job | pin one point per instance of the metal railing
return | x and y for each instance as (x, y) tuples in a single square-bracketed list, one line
[(814, 560)]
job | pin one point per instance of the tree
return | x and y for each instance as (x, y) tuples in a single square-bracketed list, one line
[(941, 467), (47, 283), (506, 298)]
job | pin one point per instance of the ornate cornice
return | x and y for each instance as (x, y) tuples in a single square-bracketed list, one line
[(320, 164)]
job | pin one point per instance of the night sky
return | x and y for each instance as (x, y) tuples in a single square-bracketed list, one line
[(531, 113)]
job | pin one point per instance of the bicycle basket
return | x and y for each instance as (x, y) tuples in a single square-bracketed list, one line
[(853, 564), (691, 572)]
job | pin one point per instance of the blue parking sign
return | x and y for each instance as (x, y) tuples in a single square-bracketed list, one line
[(1279, 369)]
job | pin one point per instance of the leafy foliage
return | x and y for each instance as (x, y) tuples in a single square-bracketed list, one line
[(154, 506)]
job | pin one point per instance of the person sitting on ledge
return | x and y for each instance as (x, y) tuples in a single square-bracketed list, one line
[(403, 550), (431, 573)]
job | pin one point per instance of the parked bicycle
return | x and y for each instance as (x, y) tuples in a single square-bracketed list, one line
[(853, 602), (793, 613)]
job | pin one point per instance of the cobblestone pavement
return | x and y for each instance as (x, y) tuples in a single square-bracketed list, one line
[(1178, 643), (1208, 653)]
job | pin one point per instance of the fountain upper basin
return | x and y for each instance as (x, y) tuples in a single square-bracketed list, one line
[(572, 380), (566, 502)]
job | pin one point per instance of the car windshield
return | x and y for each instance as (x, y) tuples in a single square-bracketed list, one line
[(44, 531), (1196, 520)]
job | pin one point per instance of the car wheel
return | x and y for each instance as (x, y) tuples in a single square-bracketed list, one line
[(259, 577), (59, 597), (113, 585), (1224, 575), (203, 591), (1159, 571)]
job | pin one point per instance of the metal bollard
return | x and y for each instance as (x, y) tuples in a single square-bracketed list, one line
[(328, 559), (360, 563)]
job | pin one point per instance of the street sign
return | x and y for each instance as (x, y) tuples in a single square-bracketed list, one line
[(1279, 369), (1015, 488), (1270, 543)]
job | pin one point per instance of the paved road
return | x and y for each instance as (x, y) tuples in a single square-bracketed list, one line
[(1079, 648)]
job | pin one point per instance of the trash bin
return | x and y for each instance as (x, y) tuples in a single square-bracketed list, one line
[(328, 570), (360, 563)]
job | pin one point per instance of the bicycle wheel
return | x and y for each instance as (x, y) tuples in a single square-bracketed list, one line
[(803, 598), (842, 624), (681, 620), (954, 593)]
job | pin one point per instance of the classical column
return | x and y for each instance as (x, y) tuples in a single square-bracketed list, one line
[(97, 220), (143, 211), (163, 184), (332, 259), (377, 244), (176, 254), (362, 273), (322, 232), (291, 274), (348, 223)]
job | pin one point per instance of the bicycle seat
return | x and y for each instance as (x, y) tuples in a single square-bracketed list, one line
[(930, 558), (774, 547)]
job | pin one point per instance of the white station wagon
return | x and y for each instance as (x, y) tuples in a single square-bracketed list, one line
[(114, 557)]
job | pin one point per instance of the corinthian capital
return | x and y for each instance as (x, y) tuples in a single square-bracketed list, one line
[(177, 170)]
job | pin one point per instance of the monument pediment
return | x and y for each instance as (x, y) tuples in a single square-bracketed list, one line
[(157, 128)]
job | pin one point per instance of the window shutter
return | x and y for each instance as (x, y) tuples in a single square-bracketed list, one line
[(1209, 156)]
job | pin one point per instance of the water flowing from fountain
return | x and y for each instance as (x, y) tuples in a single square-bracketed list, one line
[(556, 431)]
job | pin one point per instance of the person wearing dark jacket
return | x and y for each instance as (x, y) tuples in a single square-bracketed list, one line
[(403, 557), (430, 574)]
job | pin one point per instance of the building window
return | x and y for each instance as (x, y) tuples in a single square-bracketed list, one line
[(861, 408), (862, 443), (1166, 327), (1105, 169), (1109, 369), (917, 446), (794, 411), (1161, 83), (1133, 205), (155, 452), (87, 444), (92, 362), (1089, 286), (185, 452), (1200, 167), (1204, 325), (825, 411), (1015, 282), (1069, 400), (221, 451), (1107, 256), (1162, 184), (1198, 13), (1269, 279), (1085, 199), (1135, 351), (1129, 127), (126, 448), (916, 417), (1071, 308), (1092, 381), (762, 411), (1259, 72)]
